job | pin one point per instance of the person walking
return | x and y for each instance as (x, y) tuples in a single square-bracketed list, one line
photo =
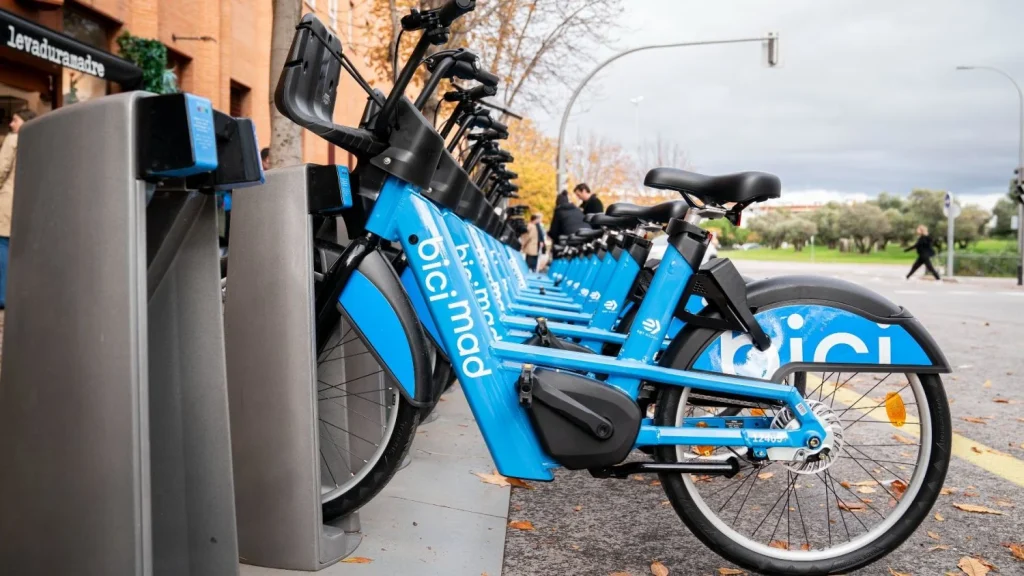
[(589, 202), (568, 218), (8, 156), (925, 247), (531, 243)]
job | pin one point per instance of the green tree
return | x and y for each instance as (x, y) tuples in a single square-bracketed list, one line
[(769, 228), (925, 207), (1004, 210), (865, 224), (970, 225), (797, 230), (901, 227), (887, 201), (827, 219), (728, 235)]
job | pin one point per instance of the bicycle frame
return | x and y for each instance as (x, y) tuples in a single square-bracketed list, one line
[(488, 368)]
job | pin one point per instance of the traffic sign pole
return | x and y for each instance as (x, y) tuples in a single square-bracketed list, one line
[(951, 211)]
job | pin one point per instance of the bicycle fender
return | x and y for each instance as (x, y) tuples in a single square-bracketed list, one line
[(812, 321), (379, 309)]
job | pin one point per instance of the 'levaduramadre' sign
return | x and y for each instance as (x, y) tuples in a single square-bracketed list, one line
[(30, 38)]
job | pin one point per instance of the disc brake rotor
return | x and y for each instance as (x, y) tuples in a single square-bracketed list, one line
[(832, 446)]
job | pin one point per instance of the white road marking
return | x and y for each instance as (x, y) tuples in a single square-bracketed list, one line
[(909, 292)]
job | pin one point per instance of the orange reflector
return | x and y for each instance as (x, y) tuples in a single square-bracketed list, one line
[(895, 409), (703, 450), (756, 412)]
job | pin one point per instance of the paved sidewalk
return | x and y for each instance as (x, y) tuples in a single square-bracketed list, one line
[(435, 517)]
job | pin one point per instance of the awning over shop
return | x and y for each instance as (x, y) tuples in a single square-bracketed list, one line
[(27, 37)]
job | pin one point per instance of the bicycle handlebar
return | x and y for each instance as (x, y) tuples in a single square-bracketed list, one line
[(453, 9)]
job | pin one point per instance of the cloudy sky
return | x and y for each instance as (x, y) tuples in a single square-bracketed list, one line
[(866, 99)]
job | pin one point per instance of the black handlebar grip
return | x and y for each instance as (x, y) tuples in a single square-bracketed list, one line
[(463, 70), (453, 9), (481, 91), (485, 77), (499, 126)]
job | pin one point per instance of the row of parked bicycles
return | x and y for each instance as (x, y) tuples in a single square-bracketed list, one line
[(798, 425)]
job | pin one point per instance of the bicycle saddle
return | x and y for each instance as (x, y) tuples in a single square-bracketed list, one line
[(612, 222), (658, 214), (587, 235), (742, 187)]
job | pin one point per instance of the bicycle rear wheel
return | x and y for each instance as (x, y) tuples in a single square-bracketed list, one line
[(827, 517), (366, 426)]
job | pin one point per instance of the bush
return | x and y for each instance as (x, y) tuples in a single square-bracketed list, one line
[(151, 56), (972, 264)]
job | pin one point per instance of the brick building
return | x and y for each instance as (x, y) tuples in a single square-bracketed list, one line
[(219, 49)]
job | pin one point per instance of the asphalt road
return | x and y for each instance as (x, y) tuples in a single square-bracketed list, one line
[(593, 527)]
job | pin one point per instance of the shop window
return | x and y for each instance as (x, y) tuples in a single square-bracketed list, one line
[(88, 29), (240, 100)]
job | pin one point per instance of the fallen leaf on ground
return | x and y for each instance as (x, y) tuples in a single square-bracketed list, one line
[(976, 450), (1020, 419), (1002, 400), (656, 483), (972, 567), (976, 509), (518, 483), (463, 425), (658, 569), (495, 478), (574, 547), (987, 384), (947, 491), (730, 572), (865, 483), (637, 477), (939, 547), (765, 475), (897, 572), (970, 494), (1004, 504), (851, 506), (939, 517), (666, 503), (780, 544), (898, 487), (805, 547), (357, 560), (521, 525), (973, 420), (1016, 549), (620, 574), (904, 439), (866, 490), (933, 535), (577, 508)]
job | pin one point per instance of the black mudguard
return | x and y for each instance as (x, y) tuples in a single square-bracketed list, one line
[(363, 256), (770, 293)]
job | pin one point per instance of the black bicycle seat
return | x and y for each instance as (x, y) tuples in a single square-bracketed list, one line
[(658, 214), (612, 222), (588, 235), (742, 187)]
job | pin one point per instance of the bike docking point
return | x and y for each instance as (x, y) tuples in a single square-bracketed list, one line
[(272, 380), (114, 432)]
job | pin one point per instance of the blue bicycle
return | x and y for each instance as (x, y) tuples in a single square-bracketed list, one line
[(798, 425)]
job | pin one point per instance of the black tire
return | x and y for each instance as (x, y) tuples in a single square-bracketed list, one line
[(714, 538), (398, 440), (442, 378)]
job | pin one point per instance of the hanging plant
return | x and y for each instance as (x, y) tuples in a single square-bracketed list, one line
[(151, 56)]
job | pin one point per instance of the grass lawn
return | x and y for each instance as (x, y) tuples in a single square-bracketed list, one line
[(892, 254)]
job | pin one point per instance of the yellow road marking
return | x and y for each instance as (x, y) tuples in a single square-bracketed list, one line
[(991, 460)]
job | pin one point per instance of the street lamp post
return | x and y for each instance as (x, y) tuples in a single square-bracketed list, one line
[(1020, 168), (771, 42)]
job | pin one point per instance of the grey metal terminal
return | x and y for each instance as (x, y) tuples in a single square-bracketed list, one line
[(114, 432), (277, 406)]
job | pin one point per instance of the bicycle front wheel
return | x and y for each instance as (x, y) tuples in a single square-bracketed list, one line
[(366, 426)]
